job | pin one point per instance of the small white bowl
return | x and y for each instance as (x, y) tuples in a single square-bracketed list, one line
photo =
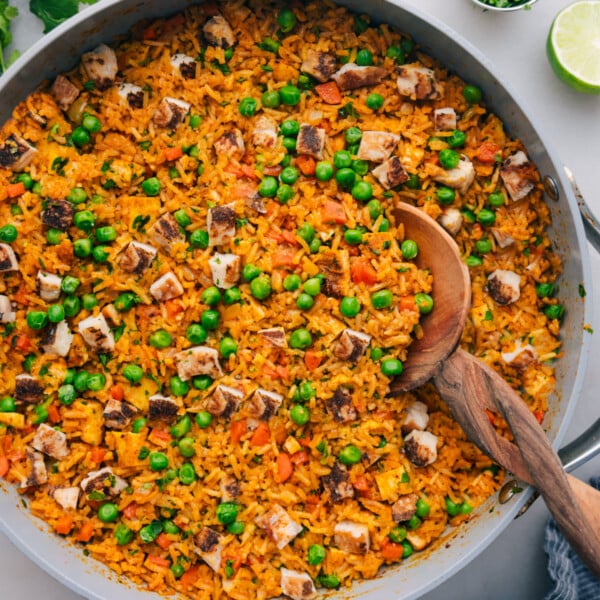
[(504, 8)]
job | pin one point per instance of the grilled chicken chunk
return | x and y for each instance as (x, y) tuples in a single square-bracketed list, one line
[(230, 488), (97, 334), (297, 585), (352, 537), (416, 417), (58, 214), (336, 268), (352, 76), (48, 286), (351, 345), (337, 483), (521, 357), (137, 257), (275, 336), (101, 66), (340, 406), (58, 339), (67, 498), (280, 527), (504, 286), (166, 287), (38, 475), (420, 447), (459, 178), (404, 508), (208, 545), (503, 239), (198, 360), (451, 220), (64, 92), (170, 113), (103, 480), (162, 408), (133, 94), (28, 389), (8, 259), (220, 223), (265, 132), (319, 65), (7, 315), (217, 32), (16, 153), (418, 82), (444, 119), (165, 232), (231, 144), (311, 140), (517, 173), (224, 401), (226, 269), (185, 64), (377, 146), (264, 404), (390, 173), (51, 442), (118, 414)]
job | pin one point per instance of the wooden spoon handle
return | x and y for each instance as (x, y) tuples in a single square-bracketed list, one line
[(469, 386)]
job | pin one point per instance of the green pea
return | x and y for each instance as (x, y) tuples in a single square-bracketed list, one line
[(445, 195), (178, 570), (56, 313), (486, 217), (26, 180), (270, 45), (350, 306), (292, 282), (409, 249), (451, 507), (364, 58), (352, 149), (300, 414), (138, 424), (304, 392), (160, 339), (88, 301), (151, 186), (186, 447), (307, 232), (316, 554), (396, 54), (201, 382), (70, 284), (84, 220), (407, 549), (196, 334), (286, 161), (37, 319), (465, 508), (125, 301), (472, 94), (260, 287), (182, 218), (350, 455), (41, 414), (247, 107), (72, 306), (54, 236), (182, 427), (300, 339), (178, 387), (236, 528), (211, 296), (423, 508), (250, 272), (353, 135), (483, 246), (381, 299), (554, 311), (362, 191), (123, 534), (158, 461), (285, 193), (376, 354), (329, 581), (342, 159), (414, 522), (91, 123), (80, 381), (7, 404), (413, 182), (289, 175), (80, 137), (231, 296), (391, 367), (108, 512), (290, 128), (496, 199), (227, 512), (286, 19), (150, 532), (398, 534), (384, 225), (360, 167), (424, 303), (227, 347), (449, 159), (353, 236), (133, 373), (203, 419), (195, 121), (473, 261), (210, 319), (290, 95), (82, 247), (312, 286), (199, 239), (324, 170), (36, 188), (374, 101), (375, 209), (305, 302), (544, 290), (268, 187), (270, 99), (290, 144), (96, 382), (187, 474), (8, 234), (28, 362), (456, 139)]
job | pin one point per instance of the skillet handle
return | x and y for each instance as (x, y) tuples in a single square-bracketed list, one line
[(469, 387), (590, 223)]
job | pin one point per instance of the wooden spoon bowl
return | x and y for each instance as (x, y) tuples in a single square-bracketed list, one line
[(470, 388)]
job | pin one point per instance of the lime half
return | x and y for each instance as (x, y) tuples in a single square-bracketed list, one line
[(573, 46)]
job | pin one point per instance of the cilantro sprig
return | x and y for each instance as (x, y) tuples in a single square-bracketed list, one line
[(7, 14)]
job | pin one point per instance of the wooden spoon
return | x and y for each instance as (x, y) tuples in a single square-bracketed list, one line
[(469, 387)]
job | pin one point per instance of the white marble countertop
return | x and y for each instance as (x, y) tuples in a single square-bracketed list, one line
[(515, 564)]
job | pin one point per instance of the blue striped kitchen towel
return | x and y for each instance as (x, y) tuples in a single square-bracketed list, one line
[(571, 578)]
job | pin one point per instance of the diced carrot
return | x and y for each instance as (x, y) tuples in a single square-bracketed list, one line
[(275, 235), (6, 443), (14, 190), (149, 33), (86, 532), (489, 153), (53, 414), (283, 257), (129, 512), (190, 576), (407, 303), (313, 499), (97, 455), (64, 525), (306, 164), (392, 551), (173, 153), (4, 466), (241, 171), (299, 458), (304, 441), (23, 343), (275, 371), (238, 429), (361, 483), (312, 359), (117, 392), (160, 437), (173, 307), (329, 92), (289, 237), (539, 415), (361, 271), (261, 435), (333, 212), (164, 541), (285, 468), (159, 561), (273, 171)]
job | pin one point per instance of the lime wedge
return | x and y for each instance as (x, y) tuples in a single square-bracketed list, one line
[(573, 46)]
